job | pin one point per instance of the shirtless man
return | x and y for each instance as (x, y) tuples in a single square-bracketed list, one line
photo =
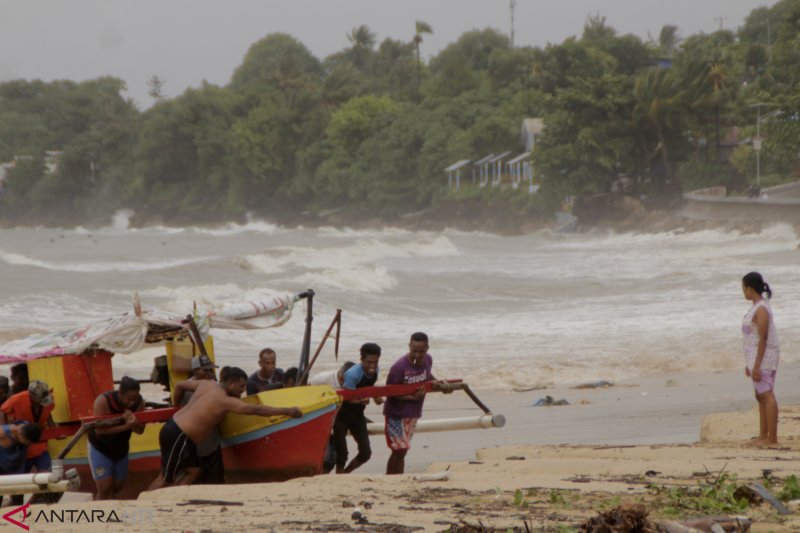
[(195, 422)]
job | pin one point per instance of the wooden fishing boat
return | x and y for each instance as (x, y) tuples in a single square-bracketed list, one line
[(255, 449)]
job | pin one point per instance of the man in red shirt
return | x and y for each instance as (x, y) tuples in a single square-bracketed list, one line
[(33, 405)]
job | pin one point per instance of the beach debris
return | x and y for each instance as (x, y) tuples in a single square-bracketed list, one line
[(764, 492), (626, 518), (515, 458), (365, 504), (347, 503), (357, 513), (435, 476), (529, 389), (466, 527), (651, 473), (208, 502), (594, 385), (707, 524), (547, 401)]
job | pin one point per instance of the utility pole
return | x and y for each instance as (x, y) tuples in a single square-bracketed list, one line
[(757, 141), (720, 20), (512, 4)]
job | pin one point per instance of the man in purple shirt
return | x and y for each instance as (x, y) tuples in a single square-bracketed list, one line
[(402, 412)]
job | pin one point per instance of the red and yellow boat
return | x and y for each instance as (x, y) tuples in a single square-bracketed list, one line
[(255, 449)]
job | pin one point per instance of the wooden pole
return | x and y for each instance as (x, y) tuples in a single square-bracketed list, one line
[(335, 322)]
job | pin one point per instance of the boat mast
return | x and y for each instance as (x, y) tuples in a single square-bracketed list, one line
[(306, 350)]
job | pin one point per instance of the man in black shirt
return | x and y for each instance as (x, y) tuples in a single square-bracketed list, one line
[(109, 446), (267, 377)]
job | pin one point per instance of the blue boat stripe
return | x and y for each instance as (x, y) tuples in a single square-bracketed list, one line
[(290, 423)]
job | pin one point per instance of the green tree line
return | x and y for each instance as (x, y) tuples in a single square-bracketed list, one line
[(373, 125)]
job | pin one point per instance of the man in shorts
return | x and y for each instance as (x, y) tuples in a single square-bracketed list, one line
[(402, 412), (194, 423), (109, 446)]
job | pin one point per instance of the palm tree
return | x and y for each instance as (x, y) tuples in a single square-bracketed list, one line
[(668, 39), (421, 27), (362, 39), (658, 105)]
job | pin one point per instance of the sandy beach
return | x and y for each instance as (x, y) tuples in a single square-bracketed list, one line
[(552, 467)]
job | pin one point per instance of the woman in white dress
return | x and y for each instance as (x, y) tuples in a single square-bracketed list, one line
[(761, 354)]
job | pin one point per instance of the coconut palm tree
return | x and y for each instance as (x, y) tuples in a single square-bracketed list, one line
[(363, 40), (421, 27), (658, 107)]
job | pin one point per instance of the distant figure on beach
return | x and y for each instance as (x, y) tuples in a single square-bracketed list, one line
[(402, 412), (334, 378), (268, 376), (761, 354), (351, 414), (109, 446), (193, 424)]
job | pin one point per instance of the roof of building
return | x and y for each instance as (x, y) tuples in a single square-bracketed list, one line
[(457, 165), (484, 160), (519, 158), (497, 158)]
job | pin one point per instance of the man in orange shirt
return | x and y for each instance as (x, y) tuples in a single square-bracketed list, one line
[(33, 405)]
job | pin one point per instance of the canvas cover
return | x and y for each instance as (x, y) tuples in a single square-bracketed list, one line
[(127, 332)]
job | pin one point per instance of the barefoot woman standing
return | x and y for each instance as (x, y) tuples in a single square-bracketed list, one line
[(761, 354)]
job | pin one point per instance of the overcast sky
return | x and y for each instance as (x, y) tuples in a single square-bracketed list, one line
[(187, 41)]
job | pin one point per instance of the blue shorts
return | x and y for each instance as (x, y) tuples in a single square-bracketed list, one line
[(42, 463), (102, 466)]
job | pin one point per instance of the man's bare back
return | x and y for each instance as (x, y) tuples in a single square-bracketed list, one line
[(210, 403)]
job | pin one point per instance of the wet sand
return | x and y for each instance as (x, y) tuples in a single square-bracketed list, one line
[(567, 462)]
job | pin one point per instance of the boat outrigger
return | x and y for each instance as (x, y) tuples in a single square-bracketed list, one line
[(77, 365)]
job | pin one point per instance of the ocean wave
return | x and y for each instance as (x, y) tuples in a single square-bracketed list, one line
[(369, 279), (16, 259), (362, 252), (781, 234)]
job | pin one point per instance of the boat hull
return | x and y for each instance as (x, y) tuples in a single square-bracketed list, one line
[(254, 449)]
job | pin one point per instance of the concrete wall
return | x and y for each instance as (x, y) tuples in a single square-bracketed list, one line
[(713, 204)]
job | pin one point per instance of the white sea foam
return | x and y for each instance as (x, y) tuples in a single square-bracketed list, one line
[(12, 258), (360, 278), (362, 252)]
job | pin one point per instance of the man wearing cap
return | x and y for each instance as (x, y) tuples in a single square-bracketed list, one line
[(33, 405), (109, 446)]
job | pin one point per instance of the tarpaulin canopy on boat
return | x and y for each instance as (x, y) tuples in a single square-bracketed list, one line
[(130, 331)]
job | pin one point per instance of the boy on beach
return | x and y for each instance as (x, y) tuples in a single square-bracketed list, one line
[(402, 412), (351, 415)]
